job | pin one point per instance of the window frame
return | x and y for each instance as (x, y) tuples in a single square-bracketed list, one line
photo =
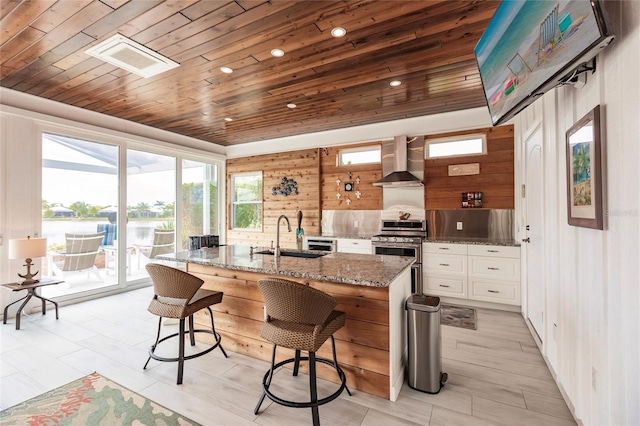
[(233, 202), (459, 138), (356, 150)]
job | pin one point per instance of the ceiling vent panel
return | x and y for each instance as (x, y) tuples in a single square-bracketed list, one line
[(131, 56)]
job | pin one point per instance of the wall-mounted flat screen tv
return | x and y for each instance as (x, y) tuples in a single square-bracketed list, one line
[(531, 46)]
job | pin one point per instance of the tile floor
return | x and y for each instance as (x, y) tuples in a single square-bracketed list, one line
[(496, 373)]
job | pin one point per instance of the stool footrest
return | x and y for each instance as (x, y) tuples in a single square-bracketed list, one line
[(310, 404), (196, 355)]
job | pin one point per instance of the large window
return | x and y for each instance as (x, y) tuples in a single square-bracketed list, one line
[(361, 155), (457, 146), (145, 203), (199, 200), (246, 201), (79, 201), (151, 207)]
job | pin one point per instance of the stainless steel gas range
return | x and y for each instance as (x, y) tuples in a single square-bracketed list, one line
[(403, 238)]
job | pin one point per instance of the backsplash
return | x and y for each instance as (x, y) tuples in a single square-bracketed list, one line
[(481, 224), (494, 225), (343, 222)]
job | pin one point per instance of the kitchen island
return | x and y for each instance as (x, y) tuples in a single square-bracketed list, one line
[(371, 289)]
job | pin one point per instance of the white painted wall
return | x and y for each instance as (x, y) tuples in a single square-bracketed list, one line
[(592, 280)]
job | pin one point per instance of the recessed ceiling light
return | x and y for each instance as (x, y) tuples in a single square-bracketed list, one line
[(291, 105), (338, 32), (226, 70), (395, 83), (228, 119), (277, 53)]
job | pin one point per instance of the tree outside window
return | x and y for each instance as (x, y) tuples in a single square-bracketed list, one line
[(246, 201)]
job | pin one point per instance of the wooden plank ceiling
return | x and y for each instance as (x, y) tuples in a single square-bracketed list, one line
[(335, 82)]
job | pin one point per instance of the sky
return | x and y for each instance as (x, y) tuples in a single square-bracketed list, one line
[(99, 187)]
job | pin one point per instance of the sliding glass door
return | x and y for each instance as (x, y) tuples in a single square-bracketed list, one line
[(108, 209), (151, 209), (200, 193), (79, 203)]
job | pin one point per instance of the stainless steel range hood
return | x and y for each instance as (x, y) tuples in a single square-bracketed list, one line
[(402, 162)]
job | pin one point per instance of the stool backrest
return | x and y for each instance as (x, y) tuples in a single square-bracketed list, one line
[(294, 302), (173, 283)]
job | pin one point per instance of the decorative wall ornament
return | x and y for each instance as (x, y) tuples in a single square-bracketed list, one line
[(464, 169), (287, 186)]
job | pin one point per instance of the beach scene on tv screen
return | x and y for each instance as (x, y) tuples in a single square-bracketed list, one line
[(526, 43)]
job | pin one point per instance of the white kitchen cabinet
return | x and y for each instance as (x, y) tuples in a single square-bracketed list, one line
[(496, 291), (494, 274), (473, 271), (498, 268), (354, 245), (493, 251), (441, 285), (445, 269), (444, 248)]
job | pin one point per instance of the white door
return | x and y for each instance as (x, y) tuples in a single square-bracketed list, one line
[(534, 205)]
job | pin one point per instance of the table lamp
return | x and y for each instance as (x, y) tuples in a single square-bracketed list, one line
[(28, 249)]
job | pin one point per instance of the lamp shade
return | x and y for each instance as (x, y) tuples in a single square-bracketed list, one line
[(27, 248)]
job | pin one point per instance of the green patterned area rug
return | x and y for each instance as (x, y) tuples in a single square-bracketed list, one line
[(91, 400)]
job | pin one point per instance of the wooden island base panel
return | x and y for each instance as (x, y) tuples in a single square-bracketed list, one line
[(371, 347), (362, 344)]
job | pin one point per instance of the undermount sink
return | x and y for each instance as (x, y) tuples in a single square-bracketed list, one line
[(287, 253)]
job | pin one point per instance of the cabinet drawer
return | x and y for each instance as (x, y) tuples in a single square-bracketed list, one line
[(449, 264), (497, 268), (493, 251), (347, 245), (494, 291), (445, 286), (443, 248)]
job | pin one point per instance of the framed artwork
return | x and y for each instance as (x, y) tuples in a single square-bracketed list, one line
[(584, 172)]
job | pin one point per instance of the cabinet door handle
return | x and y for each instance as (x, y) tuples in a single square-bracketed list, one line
[(493, 251), (493, 291), (492, 268), (444, 264), (443, 248), (442, 285)]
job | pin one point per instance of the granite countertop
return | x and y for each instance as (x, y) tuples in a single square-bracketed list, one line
[(353, 237), (474, 241), (360, 269)]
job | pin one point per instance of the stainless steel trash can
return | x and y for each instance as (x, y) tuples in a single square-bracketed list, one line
[(424, 341)]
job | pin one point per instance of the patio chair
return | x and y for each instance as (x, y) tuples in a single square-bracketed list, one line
[(79, 255), (111, 232), (163, 242)]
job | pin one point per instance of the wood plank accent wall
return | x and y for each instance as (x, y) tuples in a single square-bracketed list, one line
[(300, 165), (330, 172), (496, 178), (362, 344)]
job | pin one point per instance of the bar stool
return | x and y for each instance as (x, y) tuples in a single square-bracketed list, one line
[(178, 295), (302, 318)]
